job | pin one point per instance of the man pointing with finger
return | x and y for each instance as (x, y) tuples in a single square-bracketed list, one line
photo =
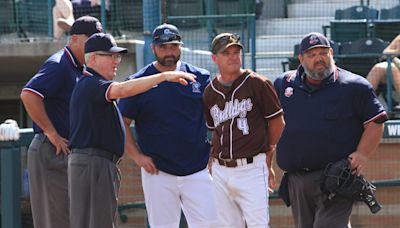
[(46, 98), (97, 133)]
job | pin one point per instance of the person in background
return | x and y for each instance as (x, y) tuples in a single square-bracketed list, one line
[(63, 18), (377, 76)]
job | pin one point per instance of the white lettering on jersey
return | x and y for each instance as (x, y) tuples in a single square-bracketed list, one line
[(232, 109), (243, 125)]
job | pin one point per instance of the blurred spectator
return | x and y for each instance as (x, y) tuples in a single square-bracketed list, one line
[(377, 75), (63, 18), (259, 8), (95, 3), (90, 7)]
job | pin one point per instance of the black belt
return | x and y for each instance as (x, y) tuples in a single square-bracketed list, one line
[(98, 152), (308, 170), (235, 162)]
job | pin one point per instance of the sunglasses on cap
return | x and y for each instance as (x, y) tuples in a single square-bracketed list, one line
[(167, 37), (233, 38)]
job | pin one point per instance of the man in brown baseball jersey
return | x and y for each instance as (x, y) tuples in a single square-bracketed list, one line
[(244, 113)]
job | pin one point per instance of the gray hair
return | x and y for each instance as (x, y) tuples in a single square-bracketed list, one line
[(87, 56)]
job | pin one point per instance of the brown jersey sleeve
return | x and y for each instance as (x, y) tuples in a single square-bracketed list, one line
[(267, 98)]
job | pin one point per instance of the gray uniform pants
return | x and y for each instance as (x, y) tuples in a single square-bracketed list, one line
[(307, 202), (93, 187), (48, 183)]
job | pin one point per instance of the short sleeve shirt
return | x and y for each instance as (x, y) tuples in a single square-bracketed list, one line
[(54, 83), (323, 125), (169, 121), (95, 120), (239, 115)]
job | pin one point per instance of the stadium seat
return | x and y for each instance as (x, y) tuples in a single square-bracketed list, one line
[(356, 12), (361, 55), (351, 23), (392, 13), (186, 8), (348, 30), (292, 62), (229, 7), (386, 29)]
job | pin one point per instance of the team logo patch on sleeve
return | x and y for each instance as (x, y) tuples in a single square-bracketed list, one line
[(288, 92)]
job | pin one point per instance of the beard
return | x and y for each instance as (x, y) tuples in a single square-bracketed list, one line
[(168, 60), (319, 76)]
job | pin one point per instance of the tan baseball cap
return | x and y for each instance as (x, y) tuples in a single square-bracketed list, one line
[(223, 41)]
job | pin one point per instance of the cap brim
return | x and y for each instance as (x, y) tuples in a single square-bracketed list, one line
[(228, 45), (316, 46), (232, 44), (65, 24), (118, 50)]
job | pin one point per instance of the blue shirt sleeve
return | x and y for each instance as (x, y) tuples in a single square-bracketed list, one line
[(49, 80), (366, 103), (129, 106), (100, 89)]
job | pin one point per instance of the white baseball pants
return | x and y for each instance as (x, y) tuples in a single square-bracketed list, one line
[(241, 194), (166, 194)]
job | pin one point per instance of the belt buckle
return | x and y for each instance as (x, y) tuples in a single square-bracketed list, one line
[(226, 161)]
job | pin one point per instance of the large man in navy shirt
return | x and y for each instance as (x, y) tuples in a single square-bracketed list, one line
[(331, 114), (97, 133), (173, 148), (46, 98)]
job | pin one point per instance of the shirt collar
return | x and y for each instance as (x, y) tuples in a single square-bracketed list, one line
[(72, 59)]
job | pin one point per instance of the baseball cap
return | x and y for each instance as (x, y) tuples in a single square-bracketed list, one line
[(86, 25), (166, 34), (313, 40), (103, 42), (223, 41)]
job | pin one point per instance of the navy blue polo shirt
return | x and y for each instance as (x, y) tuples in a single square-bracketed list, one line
[(170, 123), (326, 124), (54, 83), (95, 120)]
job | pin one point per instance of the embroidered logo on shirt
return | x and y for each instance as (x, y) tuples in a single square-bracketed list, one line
[(288, 92), (196, 87)]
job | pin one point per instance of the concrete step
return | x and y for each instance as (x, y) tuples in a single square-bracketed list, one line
[(277, 43), (270, 67), (291, 26)]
